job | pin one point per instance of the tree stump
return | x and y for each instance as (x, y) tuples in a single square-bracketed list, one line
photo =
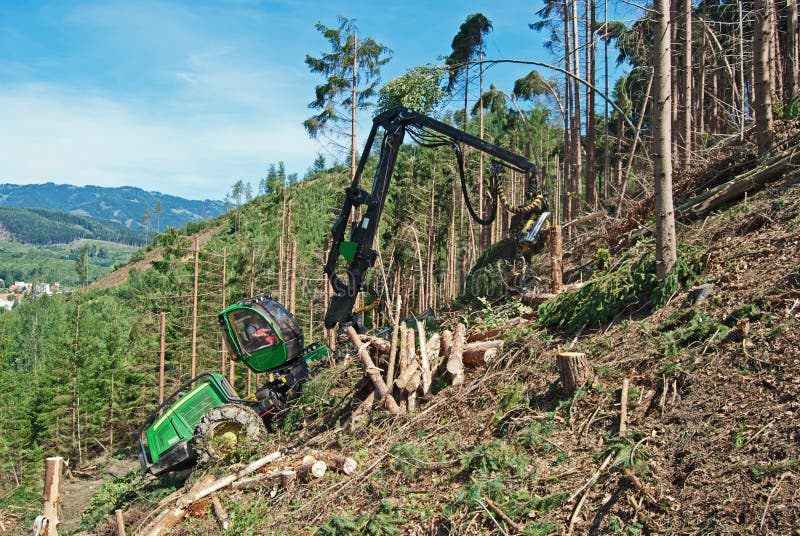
[(52, 496), (574, 370)]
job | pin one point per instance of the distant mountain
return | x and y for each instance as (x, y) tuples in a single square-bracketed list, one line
[(125, 205), (45, 226)]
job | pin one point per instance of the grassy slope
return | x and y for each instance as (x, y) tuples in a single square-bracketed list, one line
[(56, 262), (712, 445)]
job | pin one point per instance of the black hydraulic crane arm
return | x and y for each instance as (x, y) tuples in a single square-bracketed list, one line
[(358, 251)]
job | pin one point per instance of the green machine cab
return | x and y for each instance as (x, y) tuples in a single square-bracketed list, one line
[(261, 333), (204, 418)]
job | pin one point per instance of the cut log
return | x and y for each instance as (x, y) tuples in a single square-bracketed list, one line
[(170, 517), (535, 299), (477, 354), (556, 259), (585, 219), (496, 332), (120, 520), (455, 365), (768, 170), (219, 511), (447, 343), (413, 382), (341, 463), (574, 370), (381, 345), (374, 373), (435, 352), (312, 468), (623, 407), (407, 373), (395, 333), (250, 483), (424, 360)]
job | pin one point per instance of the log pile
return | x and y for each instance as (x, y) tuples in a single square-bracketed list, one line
[(416, 362), (271, 474)]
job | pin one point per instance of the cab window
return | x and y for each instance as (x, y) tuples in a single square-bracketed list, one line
[(252, 331), (283, 320)]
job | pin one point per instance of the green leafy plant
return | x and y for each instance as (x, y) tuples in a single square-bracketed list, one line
[(110, 496), (602, 258)]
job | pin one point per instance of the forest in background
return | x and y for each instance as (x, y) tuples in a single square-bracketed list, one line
[(79, 371)]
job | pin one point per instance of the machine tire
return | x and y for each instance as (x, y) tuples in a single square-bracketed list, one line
[(225, 429)]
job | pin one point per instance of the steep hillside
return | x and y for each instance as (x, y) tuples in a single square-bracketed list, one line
[(46, 226), (124, 205), (56, 262), (711, 440)]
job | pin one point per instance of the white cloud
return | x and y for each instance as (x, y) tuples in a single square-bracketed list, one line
[(49, 133)]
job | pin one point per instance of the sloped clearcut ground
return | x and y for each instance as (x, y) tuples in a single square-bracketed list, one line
[(712, 447)]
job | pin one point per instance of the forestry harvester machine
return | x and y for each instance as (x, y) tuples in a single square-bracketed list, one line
[(204, 419)]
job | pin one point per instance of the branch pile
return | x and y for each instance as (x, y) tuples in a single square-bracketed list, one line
[(275, 472)]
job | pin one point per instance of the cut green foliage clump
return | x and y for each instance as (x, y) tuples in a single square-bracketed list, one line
[(632, 280), (687, 327), (382, 522), (629, 450), (408, 458), (494, 457)]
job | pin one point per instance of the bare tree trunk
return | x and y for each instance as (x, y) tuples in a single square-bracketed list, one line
[(701, 90), (293, 279), (421, 303), (569, 140), (162, 354), (674, 14), (763, 98), (591, 154), (223, 345), (451, 247), (281, 250), (353, 108), (688, 101), (743, 111), (576, 125), (713, 120), (429, 248), (775, 56), (666, 250), (606, 148), (194, 305), (792, 52), (287, 266), (556, 254)]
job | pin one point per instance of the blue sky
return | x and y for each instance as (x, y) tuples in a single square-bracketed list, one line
[(188, 97)]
